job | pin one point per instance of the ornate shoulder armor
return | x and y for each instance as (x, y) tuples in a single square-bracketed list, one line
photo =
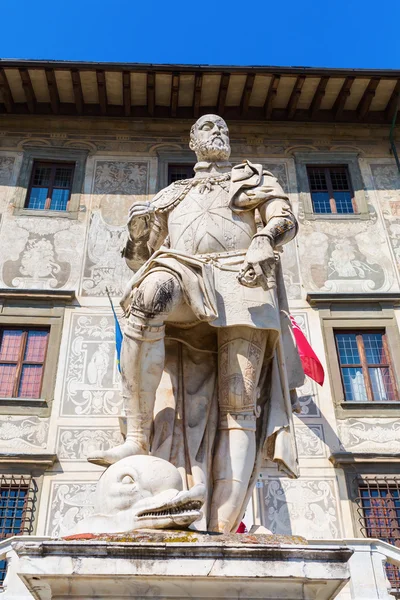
[(170, 196)]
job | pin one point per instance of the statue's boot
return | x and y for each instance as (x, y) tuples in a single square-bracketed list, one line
[(142, 363)]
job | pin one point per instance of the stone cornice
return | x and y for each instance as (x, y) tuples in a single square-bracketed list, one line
[(159, 551), (349, 458), (320, 299), (61, 296), (22, 459)]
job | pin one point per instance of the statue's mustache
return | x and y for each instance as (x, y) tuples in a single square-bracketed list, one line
[(211, 142)]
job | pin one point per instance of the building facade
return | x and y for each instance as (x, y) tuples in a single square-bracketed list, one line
[(80, 143)]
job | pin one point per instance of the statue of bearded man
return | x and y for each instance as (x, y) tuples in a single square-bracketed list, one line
[(208, 359)]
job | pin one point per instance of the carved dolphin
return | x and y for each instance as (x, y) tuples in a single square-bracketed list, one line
[(142, 492)]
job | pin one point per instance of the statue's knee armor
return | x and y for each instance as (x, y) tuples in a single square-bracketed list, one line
[(240, 362), (158, 294)]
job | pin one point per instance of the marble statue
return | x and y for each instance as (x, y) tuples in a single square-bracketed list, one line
[(142, 492), (208, 360)]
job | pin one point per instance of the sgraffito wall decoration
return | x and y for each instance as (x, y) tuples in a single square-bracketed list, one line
[(117, 184), (91, 380), (305, 506)]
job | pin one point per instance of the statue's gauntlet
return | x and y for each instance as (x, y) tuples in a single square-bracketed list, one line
[(260, 262), (146, 234), (136, 250)]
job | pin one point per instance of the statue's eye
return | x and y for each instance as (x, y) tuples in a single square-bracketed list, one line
[(128, 479), (207, 126)]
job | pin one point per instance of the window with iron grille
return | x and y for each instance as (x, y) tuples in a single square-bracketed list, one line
[(178, 172), (365, 366), (17, 505), (331, 191), (50, 186), (22, 360), (378, 506)]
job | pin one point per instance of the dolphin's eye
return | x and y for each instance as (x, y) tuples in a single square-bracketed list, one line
[(128, 479)]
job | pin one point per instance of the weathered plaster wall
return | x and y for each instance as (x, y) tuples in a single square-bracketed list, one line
[(124, 164)]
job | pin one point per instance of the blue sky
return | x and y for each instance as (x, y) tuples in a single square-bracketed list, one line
[(335, 33)]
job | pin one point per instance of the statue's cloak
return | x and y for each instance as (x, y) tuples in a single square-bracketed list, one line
[(186, 409)]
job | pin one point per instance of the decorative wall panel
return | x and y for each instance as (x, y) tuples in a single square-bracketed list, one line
[(310, 441), (338, 257), (306, 507), (77, 443), (370, 435), (387, 185), (41, 253), (23, 434), (69, 503), (117, 184), (91, 379)]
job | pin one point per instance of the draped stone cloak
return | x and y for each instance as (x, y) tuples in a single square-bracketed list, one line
[(186, 408)]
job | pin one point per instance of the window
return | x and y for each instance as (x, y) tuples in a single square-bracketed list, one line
[(17, 502), (379, 516), (30, 336), (331, 186), (50, 186), (178, 172), (331, 191), (365, 366), (22, 358), (363, 371), (50, 182)]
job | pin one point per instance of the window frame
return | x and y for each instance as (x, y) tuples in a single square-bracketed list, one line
[(20, 362), (186, 166), (168, 157), (356, 408), (54, 165), (379, 483), (349, 312), (36, 309), (35, 475), (53, 155), (332, 201), (354, 475), (326, 160), (28, 483), (364, 364)]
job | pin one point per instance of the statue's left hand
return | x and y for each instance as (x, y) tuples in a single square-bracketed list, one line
[(259, 265)]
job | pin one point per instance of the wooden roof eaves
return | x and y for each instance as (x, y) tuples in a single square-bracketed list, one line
[(243, 111), (170, 68)]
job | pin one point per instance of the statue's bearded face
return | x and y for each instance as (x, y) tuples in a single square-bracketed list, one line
[(209, 138)]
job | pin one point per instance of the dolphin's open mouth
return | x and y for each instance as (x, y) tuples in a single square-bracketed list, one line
[(182, 509), (188, 509)]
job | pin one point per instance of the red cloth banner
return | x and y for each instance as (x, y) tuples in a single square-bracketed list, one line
[(310, 361)]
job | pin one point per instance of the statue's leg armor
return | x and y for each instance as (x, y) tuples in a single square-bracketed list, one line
[(142, 362), (241, 353)]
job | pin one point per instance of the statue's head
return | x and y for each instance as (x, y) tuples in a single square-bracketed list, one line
[(209, 139)]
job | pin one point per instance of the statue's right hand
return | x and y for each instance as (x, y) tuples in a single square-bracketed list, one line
[(139, 219), (140, 209)]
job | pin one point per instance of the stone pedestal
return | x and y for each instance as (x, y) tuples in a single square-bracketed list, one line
[(182, 565)]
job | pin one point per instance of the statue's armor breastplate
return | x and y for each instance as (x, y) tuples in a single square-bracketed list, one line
[(203, 223)]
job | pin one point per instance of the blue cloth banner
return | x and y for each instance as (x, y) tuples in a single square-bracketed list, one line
[(118, 333)]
